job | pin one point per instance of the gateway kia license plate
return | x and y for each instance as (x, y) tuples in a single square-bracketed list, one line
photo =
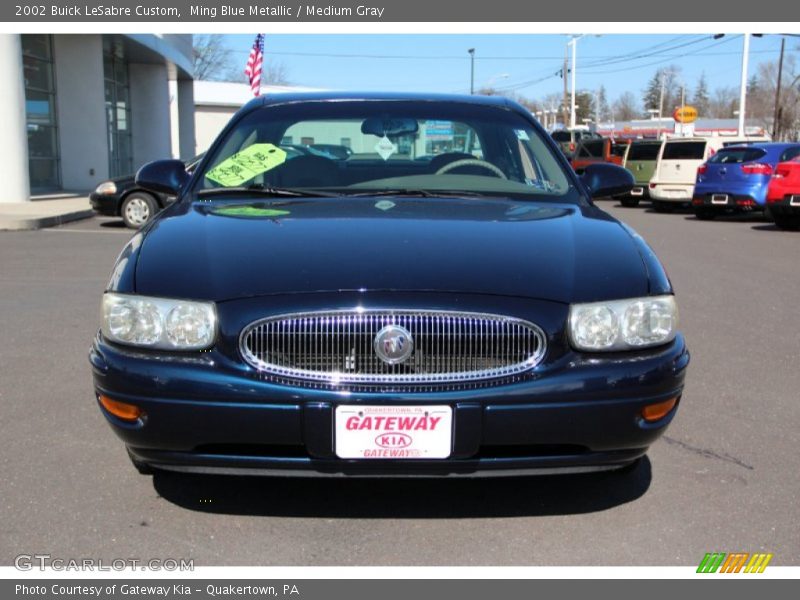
[(394, 432), (637, 191), (719, 199), (794, 201)]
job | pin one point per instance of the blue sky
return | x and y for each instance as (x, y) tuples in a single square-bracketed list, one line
[(440, 63)]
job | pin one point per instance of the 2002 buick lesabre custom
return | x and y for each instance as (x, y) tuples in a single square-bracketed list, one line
[(442, 299)]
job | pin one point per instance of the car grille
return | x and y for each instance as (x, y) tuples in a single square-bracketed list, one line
[(339, 347)]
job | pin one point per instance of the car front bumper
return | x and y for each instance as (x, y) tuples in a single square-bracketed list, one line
[(105, 204), (581, 414)]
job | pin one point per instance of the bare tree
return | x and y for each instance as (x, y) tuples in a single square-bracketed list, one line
[(273, 72), (625, 107), (761, 98), (723, 102), (212, 57)]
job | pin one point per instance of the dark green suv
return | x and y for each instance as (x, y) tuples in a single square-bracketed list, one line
[(641, 162)]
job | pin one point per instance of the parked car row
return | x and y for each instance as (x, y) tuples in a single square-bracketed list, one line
[(713, 175)]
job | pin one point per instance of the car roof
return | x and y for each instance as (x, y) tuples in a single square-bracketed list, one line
[(290, 98)]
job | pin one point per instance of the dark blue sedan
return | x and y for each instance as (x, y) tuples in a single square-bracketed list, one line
[(736, 178), (445, 300)]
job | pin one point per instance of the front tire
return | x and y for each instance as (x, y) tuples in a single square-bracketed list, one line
[(137, 209)]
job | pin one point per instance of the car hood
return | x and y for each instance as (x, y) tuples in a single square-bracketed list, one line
[(243, 248)]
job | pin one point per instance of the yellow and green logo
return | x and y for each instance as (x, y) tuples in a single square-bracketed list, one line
[(735, 562)]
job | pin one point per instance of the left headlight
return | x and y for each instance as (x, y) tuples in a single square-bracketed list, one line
[(623, 324), (158, 322)]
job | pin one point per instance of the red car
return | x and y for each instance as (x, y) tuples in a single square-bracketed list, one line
[(603, 150), (783, 195)]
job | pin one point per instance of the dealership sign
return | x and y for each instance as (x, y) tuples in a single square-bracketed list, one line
[(685, 114)]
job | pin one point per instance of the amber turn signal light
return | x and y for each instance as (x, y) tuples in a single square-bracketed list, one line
[(121, 410), (654, 412)]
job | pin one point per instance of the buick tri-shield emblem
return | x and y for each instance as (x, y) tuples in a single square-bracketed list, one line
[(393, 344)]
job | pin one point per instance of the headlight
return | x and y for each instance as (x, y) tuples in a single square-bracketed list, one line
[(623, 324), (159, 322), (106, 188)]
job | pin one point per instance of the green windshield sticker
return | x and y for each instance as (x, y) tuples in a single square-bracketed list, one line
[(247, 164), (249, 211)]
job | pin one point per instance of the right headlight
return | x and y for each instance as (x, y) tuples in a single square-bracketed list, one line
[(161, 323), (623, 324)]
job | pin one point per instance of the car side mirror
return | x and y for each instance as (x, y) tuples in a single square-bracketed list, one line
[(607, 180), (163, 176)]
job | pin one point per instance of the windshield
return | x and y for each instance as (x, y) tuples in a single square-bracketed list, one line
[(356, 147), (684, 150), (644, 151), (737, 155)]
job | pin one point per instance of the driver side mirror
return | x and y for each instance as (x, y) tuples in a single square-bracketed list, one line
[(604, 179), (163, 176)]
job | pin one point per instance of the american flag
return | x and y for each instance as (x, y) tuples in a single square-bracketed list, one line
[(254, 63)]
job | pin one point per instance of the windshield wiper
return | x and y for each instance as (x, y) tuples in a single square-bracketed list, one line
[(263, 190), (420, 193)]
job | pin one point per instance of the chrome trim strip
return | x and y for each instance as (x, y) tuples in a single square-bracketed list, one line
[(332, 330)]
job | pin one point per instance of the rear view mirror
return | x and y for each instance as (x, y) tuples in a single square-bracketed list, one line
[(163, 176), (389, 127)]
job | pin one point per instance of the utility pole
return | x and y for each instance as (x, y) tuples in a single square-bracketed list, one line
[(574, 43), (743, 88), (661, 101), (683, 104), (471, 71), (776, 116), (564, 72), (597, 108)]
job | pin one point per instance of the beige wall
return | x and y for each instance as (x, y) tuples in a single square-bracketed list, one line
[(208, 122)]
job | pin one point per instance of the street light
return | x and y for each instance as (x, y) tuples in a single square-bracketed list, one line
[(471, 71), (743, 83), (574, 43), (743, 88)]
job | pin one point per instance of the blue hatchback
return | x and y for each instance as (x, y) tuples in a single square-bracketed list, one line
[(736, 178)]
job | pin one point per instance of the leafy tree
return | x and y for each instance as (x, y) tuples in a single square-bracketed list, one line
[(601, 107), (668, 78), (701, 100)]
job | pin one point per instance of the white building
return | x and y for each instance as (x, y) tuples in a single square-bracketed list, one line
[(78, 109), (215, 102)]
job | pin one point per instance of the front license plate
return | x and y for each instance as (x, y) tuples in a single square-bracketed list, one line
[(794, 201), (719, 199), (393, 432), (637, 191)]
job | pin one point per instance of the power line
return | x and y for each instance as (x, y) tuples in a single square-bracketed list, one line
[(660, 61)]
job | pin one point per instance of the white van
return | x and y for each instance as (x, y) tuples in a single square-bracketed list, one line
[(673, 181)]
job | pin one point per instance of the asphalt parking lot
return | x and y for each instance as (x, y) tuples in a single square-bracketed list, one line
[(724, 478)]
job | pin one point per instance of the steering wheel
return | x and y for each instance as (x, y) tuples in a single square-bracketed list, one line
[(471, 162)]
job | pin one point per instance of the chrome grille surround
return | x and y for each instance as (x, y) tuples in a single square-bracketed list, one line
[(336, 347)]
